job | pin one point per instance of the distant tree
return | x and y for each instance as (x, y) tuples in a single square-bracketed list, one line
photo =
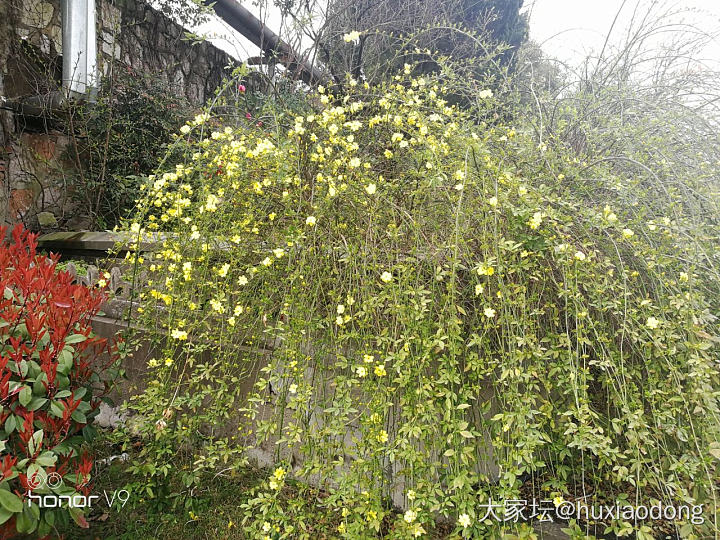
[(482, 34)]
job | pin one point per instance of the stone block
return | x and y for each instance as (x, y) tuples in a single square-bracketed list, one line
[(21, 200), (36, 13), (47, 219), (43, 146)]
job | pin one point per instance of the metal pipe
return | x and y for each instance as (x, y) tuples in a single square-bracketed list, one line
[(268, 41), (79, 48)]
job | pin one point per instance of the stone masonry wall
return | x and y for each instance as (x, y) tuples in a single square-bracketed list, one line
[(131, 35)]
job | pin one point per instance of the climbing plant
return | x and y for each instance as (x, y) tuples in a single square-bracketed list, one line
[(417, 306)]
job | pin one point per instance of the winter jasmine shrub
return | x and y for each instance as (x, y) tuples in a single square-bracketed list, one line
[(53, 372), (431, 312)]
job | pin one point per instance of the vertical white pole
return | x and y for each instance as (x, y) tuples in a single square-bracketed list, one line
[(79, 46)]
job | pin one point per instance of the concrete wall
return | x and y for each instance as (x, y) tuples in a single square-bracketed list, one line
[(131, 35)]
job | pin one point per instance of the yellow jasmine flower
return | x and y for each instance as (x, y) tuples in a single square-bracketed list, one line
[(627, 233), (371, 188), (380, 370), (489, 312), (464, 520), (410, 516), (536, 220), (179, 334), (211, 203), (351, 36), (310, 221), (217, 305), (485, 270), (652, 323), (223, 271), (492, 201), (386, 277), (417, 530), (580, 256)]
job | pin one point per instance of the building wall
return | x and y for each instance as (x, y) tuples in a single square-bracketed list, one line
[(33, 148)]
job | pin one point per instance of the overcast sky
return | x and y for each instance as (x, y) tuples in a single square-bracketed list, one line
[(570, 29), (567, 29)]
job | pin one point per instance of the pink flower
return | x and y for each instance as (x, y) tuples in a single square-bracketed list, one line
[(248, 116), (259, 124), (241, 88)]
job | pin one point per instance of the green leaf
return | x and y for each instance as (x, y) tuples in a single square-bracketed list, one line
[(57, 408), (38, 386), (715, 450), (25, 396), (10, 424), (26, 521), (78, 517), (79, 417), (10, 501), (36, 403), (46, 459), (5, 515), (75, 338), (35, 443)]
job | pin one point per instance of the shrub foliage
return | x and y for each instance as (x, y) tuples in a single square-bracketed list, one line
[(53, 372), (435, 311)]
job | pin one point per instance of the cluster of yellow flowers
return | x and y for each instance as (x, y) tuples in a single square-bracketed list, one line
[(378, 247)]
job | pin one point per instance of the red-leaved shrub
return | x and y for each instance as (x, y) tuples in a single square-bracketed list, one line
[(53, 373)]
